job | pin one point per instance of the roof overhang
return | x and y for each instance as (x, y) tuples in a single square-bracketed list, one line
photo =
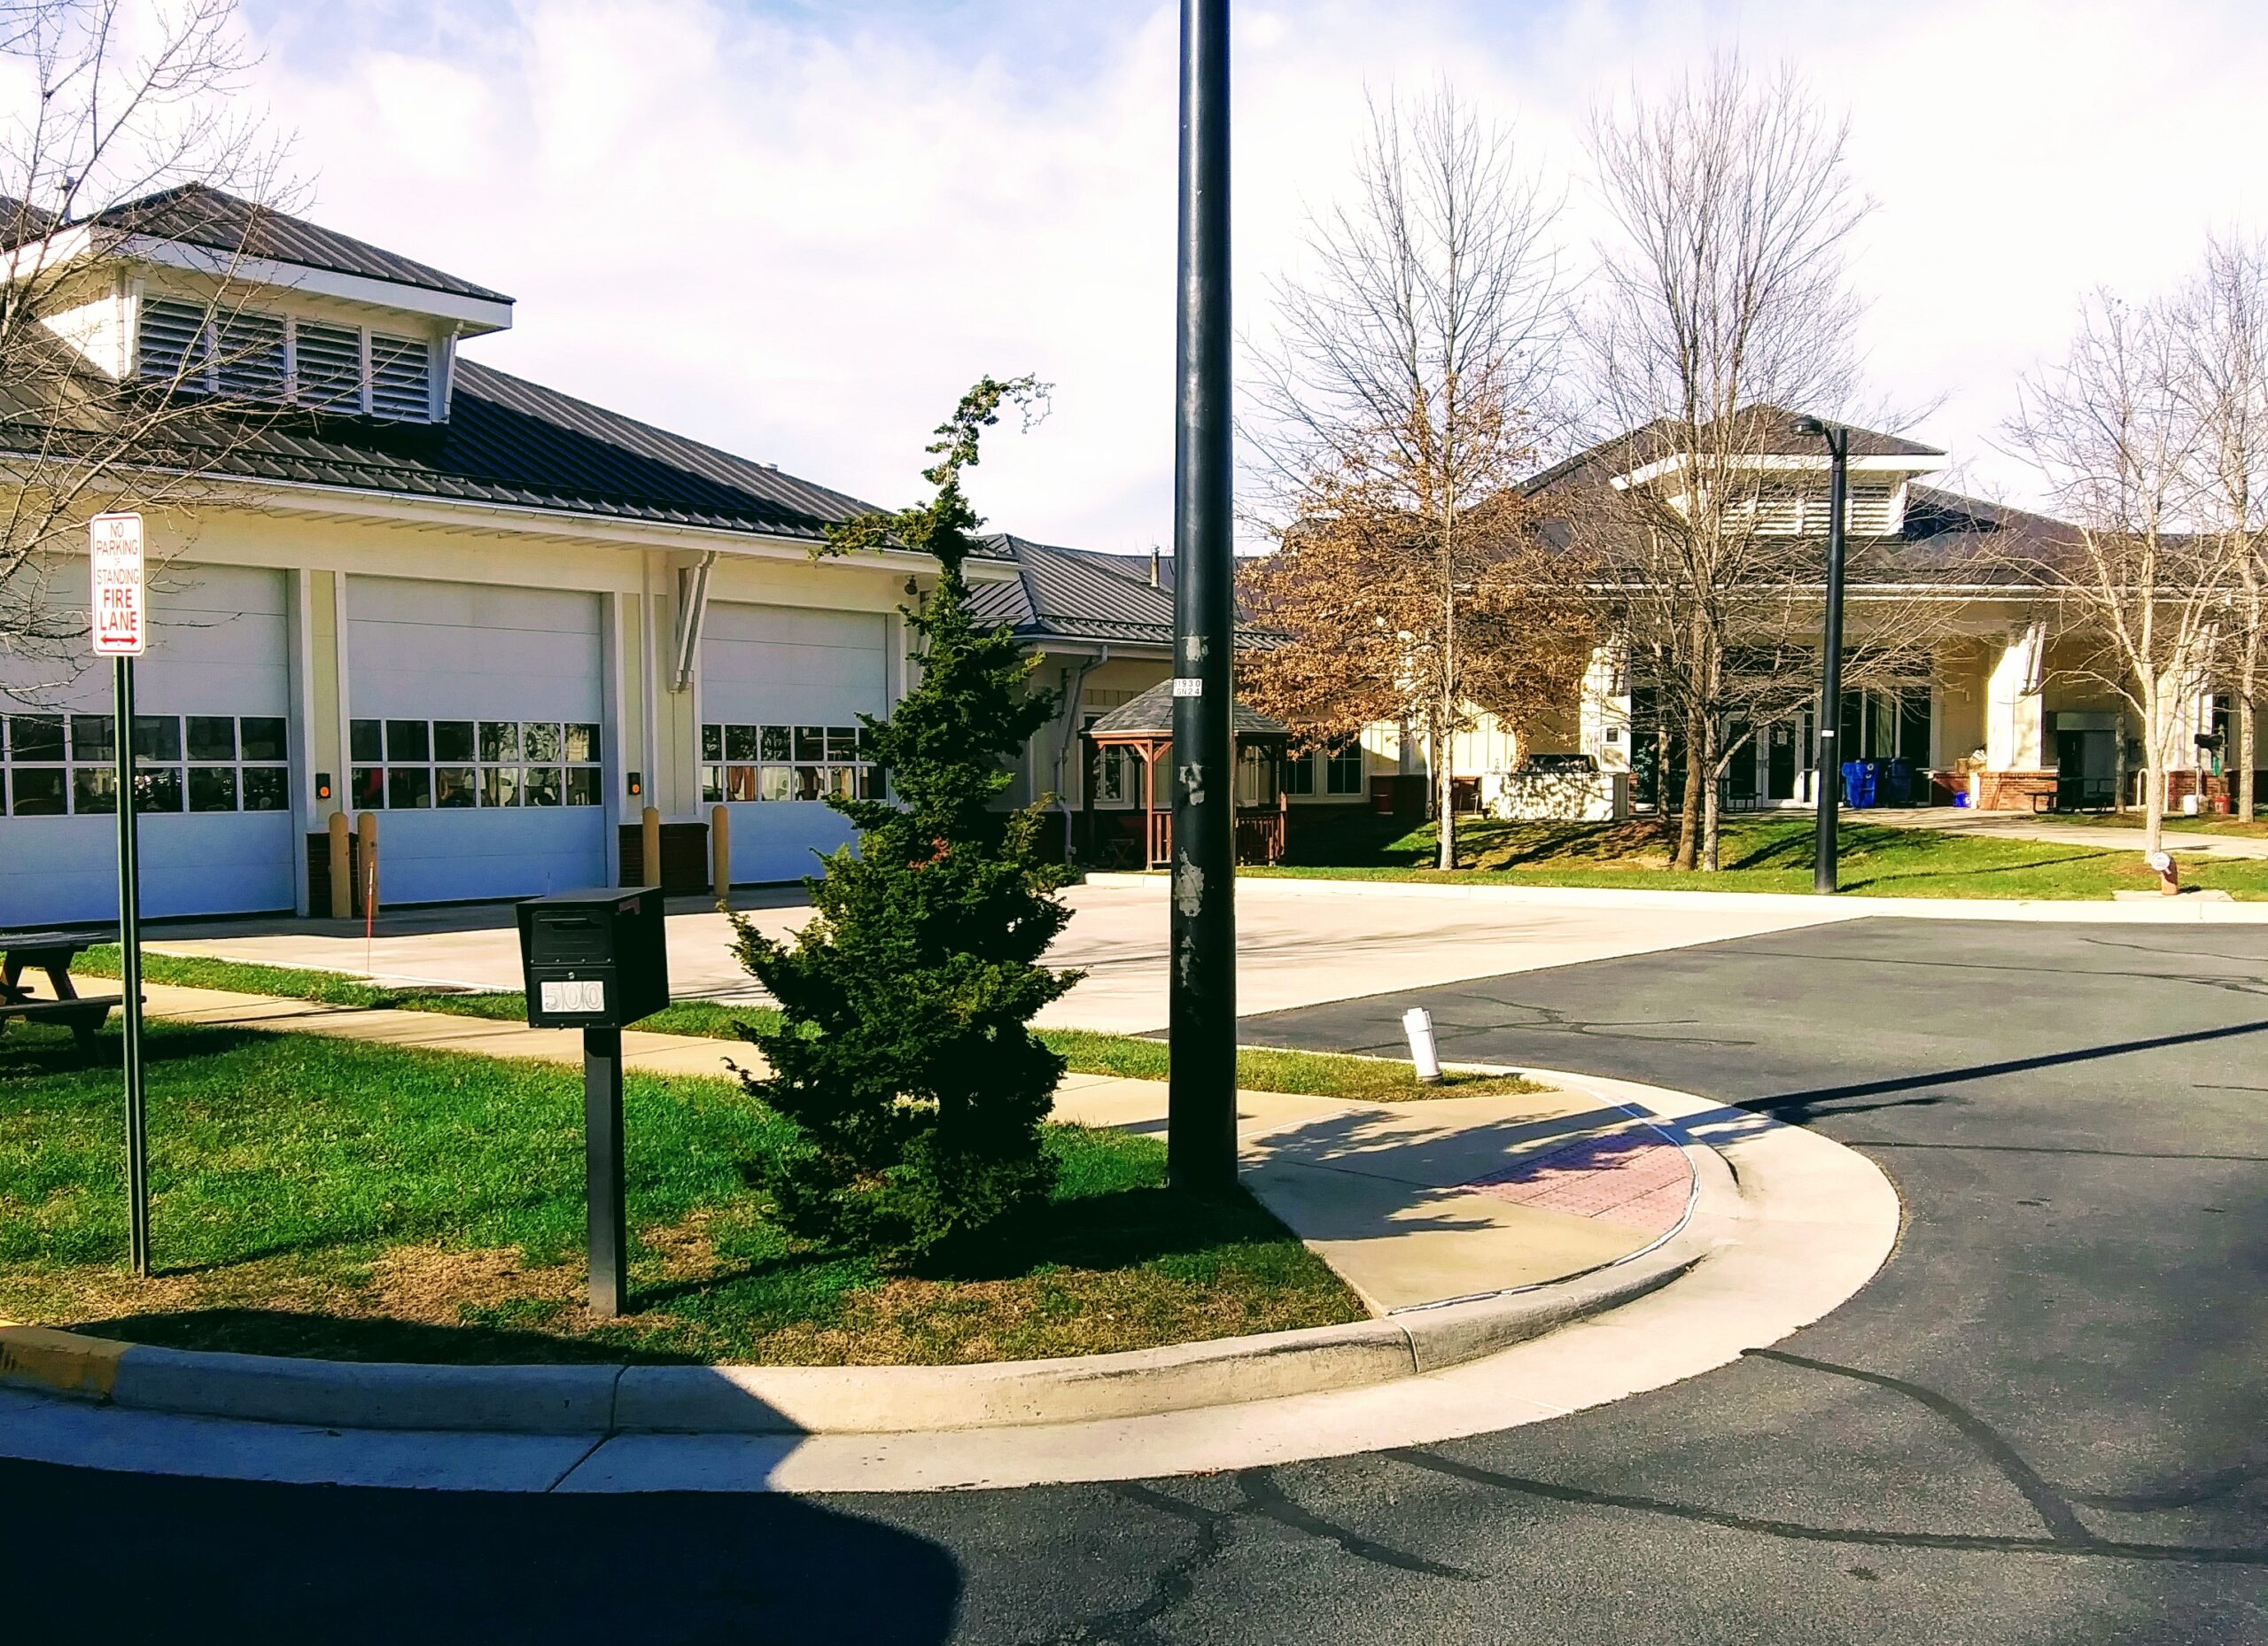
[(451, 513), (1778, 463), (88, 243)]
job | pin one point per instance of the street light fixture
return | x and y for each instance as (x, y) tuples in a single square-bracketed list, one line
[(1828, 783)]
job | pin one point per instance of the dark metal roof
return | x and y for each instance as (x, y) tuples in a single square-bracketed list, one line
[(1076, 594), (194, 214), (1151, 715), (507, 442), (1761, 428)]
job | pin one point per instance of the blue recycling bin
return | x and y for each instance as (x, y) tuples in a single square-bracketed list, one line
[(1857, 783), (1897, 783)]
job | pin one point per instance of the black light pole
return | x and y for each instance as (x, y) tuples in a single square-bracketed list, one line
[(1827, 784), (1200, 1101)]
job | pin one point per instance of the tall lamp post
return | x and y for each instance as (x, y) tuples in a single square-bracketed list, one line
[(1828, 784), (1200, 1097)]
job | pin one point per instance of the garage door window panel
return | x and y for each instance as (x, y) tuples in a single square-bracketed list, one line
[(753, 764), (463, 764)]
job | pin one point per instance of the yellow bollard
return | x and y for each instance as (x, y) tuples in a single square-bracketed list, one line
[(650, 847), (720, 855), (342, 867), (366, 864)]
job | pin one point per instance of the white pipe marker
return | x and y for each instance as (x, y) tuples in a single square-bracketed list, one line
[(1418, 1023)]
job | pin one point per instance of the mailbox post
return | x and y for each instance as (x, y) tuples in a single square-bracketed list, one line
[(596, 961)]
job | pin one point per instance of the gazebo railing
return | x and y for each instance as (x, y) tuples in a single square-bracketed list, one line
[(1259, 836)]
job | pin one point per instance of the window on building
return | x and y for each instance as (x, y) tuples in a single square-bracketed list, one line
[(1343, 770), (746, 765), (67, 765), (1299, 774), (454, 765)]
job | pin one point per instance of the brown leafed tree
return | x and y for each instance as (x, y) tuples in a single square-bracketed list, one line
[(1353, 592), (124, 151), (1393, 410), (1721, 305)]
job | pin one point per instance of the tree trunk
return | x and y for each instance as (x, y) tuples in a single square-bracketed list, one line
[(1712, 809), (2154, 774), (1688, 812), (1445, 773)]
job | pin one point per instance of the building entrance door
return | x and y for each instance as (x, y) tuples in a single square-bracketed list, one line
[(1780, 763), (2085, 774)]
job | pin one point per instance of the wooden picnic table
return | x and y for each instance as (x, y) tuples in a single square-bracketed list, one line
[(52, 952)]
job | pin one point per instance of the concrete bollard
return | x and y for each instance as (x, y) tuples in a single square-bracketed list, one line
[(366, 863), (720, 855), (342, 867), (650, 847)]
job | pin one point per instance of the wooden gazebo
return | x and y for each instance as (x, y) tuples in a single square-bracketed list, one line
[(1145, 726)]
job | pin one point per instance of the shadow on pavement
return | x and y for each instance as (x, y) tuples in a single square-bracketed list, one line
[(191, 1560)]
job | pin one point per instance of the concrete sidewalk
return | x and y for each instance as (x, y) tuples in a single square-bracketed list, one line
[(1413, 1204), (2101, 838)]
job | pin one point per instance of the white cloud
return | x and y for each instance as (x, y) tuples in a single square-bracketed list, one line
[(801, 238)]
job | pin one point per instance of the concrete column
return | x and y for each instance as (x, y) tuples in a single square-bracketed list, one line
[(2013, 720), (1606, 708)]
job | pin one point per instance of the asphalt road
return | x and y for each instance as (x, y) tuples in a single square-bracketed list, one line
[(2045, 1421)]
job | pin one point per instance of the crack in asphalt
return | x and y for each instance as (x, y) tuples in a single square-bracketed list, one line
[(1258, 1496), (2066, 1533), (2063, 1522)]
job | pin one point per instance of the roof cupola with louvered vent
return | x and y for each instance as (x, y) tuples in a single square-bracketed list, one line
[(198, 294)]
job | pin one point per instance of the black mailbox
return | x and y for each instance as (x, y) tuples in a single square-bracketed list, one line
[(594, 959)]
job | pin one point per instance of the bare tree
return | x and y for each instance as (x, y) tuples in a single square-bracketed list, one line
[(2223, 336), (1396, 406), (1722, 304), (2118, 435), (121, 150)]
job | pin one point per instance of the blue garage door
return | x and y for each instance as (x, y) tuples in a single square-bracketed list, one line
[(781, 689), (212, 694), (474, 724)]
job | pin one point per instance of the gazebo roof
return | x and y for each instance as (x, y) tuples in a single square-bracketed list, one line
[(1151, 715)]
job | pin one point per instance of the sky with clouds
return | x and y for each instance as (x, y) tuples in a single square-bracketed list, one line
[(798, 230)]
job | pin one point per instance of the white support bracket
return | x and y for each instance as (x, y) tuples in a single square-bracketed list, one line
[(692, 611)]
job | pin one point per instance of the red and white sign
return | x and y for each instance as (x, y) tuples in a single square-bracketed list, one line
[(121, 611)]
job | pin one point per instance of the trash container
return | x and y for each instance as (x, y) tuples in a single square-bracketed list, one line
[(1897, 783), (1858, 783)]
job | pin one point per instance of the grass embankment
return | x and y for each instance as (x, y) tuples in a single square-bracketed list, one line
[(1314, 1073), (2176, 823), (1757, 853), (331, 1198)]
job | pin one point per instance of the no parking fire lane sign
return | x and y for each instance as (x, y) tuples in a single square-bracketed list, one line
[(119, 612)]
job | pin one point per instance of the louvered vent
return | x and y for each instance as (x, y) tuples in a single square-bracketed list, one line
[(1780, 510), (249, 364), (401, 378), (1869, 511), (331, 367), (173, 342)]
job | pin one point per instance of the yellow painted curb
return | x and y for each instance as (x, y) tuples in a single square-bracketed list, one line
[(60, 1362)]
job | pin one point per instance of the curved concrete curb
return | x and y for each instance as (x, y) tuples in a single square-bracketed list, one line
[(817, 1399)]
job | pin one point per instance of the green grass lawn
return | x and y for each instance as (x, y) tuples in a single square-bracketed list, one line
[(324, 1196), (1316, 1074), (1771, 853)]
